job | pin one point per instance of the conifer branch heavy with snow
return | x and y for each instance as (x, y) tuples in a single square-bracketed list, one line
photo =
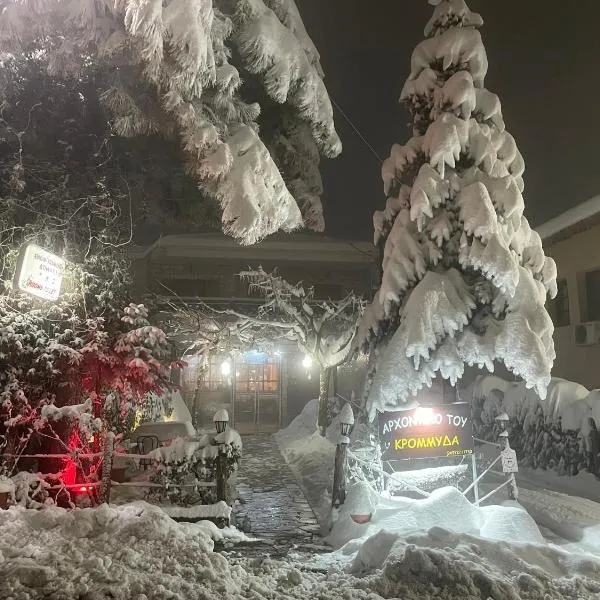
[(464, 278), (174, 68)]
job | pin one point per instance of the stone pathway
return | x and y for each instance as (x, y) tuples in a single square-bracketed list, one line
[(272, 506)]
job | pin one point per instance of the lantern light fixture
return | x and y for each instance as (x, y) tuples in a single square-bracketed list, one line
[(347, 420), (221, 420)]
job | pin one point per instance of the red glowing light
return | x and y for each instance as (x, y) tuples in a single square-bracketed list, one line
[(82, 489)]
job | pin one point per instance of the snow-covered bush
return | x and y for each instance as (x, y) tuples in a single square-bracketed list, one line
[(183, 466), (65, 383), (551, 434), (464, 278)]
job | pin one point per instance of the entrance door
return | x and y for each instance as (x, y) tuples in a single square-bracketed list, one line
[(257, 393)]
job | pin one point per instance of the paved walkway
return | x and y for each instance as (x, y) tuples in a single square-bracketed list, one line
[(272, 506)]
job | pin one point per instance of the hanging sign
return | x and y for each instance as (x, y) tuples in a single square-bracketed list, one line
[(39, 272), (427, 432), (509, 461)]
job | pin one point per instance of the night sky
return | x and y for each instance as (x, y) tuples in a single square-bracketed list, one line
[(544, 64)]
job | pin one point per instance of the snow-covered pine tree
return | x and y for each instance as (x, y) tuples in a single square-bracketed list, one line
[(193, 70), (464, 277)]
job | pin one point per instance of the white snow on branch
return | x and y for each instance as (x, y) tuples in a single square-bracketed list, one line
[(429, 191), (440, 305), (494, 259), (253, 195), (403, 262), (445, 140), (454, 47), (272, 51), (448, 12), (477, 211)]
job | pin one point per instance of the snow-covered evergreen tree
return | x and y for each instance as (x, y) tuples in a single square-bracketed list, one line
[(199, 71), (464, 277)]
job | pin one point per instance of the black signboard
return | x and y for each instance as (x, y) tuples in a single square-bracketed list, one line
[(427, 432)]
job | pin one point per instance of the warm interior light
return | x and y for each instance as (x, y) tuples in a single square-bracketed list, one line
[(424, 414), (307, 361), (225, 368), (83, 489)]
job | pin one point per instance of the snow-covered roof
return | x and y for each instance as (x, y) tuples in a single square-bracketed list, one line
[(299, 246), (570, 218)]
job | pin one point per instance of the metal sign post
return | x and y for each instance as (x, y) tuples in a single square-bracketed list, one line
[(475, 479)]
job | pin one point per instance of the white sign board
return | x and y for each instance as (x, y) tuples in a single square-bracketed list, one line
[(509, 461), (40, 272)]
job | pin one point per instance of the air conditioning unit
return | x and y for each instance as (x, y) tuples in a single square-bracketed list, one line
[(587, 334)]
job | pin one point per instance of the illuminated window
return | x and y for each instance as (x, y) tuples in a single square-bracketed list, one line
[(257, 377)]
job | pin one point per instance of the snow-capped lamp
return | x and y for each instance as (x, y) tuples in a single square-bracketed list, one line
[(221, 420), (502, 419), (346, 420)]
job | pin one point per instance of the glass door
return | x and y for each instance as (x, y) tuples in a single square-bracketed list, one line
[(257, 393)]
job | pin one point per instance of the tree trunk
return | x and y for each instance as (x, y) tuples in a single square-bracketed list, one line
[(324, 418)]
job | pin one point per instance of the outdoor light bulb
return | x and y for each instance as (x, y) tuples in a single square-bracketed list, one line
[(225, 368), (307, 361), (424, 414)]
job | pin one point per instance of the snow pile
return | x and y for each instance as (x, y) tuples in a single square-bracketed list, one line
[(445, 507), (450, 566), (119, 552), (7, 486), (445, 547)]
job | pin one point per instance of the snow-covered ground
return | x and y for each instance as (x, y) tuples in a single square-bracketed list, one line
[(441, 547), (445, 547)]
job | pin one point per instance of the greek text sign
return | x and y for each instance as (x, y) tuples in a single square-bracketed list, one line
[(39, 272), (509, 461), (427, 432)]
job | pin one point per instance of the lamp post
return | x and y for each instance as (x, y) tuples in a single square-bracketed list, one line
[(338, 495), (509, 461), (221, 420)]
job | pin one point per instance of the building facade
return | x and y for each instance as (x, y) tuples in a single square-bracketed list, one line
[(263, 390), (573, 241)]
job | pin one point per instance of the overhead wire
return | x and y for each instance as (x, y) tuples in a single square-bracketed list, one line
[(356, 130)]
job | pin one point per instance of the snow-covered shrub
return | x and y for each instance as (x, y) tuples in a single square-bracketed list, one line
[(63, 389), (464, 277), (550, 434), (183, 466)]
